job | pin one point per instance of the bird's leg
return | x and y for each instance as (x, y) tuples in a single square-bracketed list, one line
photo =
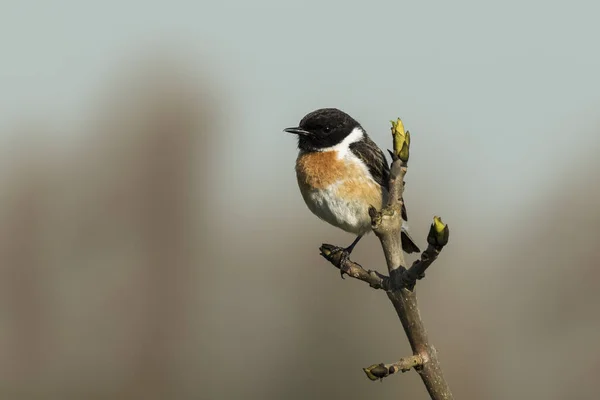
[(346, 253), (351, 247)]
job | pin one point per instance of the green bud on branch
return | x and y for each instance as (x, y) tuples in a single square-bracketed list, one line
[(401, 140), (438, 233)]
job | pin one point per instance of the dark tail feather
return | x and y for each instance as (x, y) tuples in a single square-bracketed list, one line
[(408, 244)]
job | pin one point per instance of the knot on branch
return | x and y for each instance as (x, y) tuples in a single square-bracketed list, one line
[(387, 220), (380, 371)]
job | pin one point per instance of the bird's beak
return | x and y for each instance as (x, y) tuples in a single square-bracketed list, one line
[(297, 131)]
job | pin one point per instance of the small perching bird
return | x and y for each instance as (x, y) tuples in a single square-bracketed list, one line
[(341, 173)]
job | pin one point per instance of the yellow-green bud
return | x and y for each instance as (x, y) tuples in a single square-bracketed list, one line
[(438, 233), (401, 140)]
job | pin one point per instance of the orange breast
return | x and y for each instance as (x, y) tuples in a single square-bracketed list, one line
[(319, 170)]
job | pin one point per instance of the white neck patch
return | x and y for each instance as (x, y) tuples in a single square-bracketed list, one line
[(343, 147)]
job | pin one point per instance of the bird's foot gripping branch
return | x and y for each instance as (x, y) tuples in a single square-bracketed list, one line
[(400, 284), (400, 278)]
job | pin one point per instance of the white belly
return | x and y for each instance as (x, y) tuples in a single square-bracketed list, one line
[(349, 213)]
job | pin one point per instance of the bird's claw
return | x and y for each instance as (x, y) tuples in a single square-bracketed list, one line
[(344, 257), (332, 253)]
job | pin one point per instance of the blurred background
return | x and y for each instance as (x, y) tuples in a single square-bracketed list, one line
[(153, 242)]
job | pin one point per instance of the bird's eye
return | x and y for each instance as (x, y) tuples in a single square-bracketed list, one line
[(327, 129)]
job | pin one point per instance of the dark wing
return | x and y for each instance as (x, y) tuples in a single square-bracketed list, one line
[(375, 160)]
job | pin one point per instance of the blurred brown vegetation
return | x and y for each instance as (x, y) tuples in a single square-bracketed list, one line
[(123, 276), (104, 243)]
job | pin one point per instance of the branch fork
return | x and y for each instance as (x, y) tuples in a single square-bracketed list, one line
[(400, 284)]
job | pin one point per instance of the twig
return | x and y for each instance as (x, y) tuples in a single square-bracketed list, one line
[(380, 371), (400, 285), (335, 255), (417, 270)]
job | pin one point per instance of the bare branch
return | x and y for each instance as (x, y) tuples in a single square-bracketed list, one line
[(437, 239), (336, 256), (404, 299), (417, 270), (405, 303)]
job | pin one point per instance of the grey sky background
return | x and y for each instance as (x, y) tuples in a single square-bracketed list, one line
[(501, 100), (467, 77)]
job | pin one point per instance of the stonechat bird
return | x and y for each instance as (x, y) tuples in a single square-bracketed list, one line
[(341, 173)]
